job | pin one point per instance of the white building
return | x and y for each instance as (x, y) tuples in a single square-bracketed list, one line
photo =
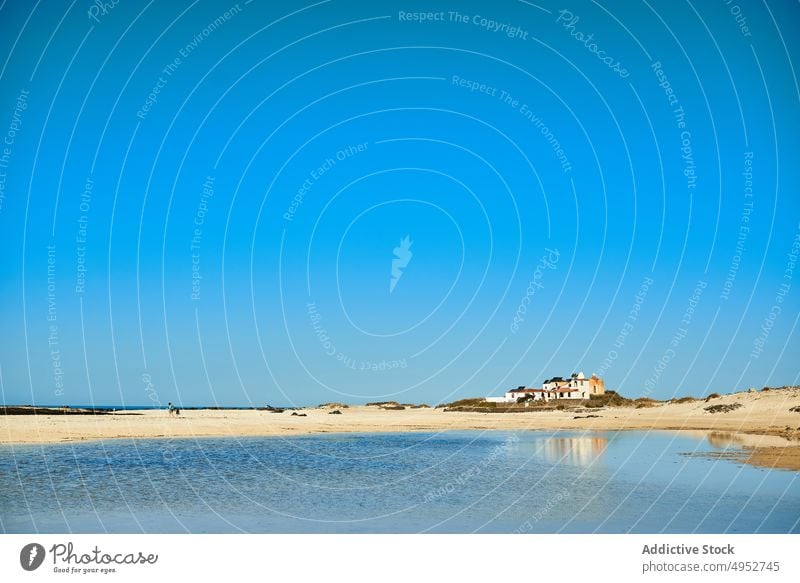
[(576, 387)]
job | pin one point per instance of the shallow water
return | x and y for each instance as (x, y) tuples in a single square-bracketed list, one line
[(470, 481)]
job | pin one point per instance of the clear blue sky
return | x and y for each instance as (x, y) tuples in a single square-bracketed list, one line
[(204, 203)]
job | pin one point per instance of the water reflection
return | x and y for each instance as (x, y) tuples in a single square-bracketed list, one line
[(724, 440), (732, 440), (526, 481), (577, 451)]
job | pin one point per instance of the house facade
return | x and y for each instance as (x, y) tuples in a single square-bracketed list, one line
[(577, 385)]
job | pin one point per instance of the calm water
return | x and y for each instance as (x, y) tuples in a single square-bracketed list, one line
[(446, 482)]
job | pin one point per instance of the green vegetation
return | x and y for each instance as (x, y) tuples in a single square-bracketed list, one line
[(532, 401), (609, 399), (683, 400), (723, 408), (470, 403), (529, 403)]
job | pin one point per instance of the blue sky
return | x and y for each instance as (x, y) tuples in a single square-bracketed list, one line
[(201, 202)]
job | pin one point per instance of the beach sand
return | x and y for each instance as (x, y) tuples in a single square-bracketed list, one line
[(764, 414)]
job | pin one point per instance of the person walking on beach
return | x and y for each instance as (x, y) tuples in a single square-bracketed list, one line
[(170, 408)]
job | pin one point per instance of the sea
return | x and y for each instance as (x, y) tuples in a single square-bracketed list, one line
[(446, 482)]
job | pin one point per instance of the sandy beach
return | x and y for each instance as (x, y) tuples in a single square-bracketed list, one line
[(763, 430)]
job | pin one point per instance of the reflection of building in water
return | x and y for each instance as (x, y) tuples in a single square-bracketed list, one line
[(724, 439), (578, 451)]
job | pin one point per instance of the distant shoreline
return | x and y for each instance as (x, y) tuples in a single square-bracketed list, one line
[(108, 409)]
